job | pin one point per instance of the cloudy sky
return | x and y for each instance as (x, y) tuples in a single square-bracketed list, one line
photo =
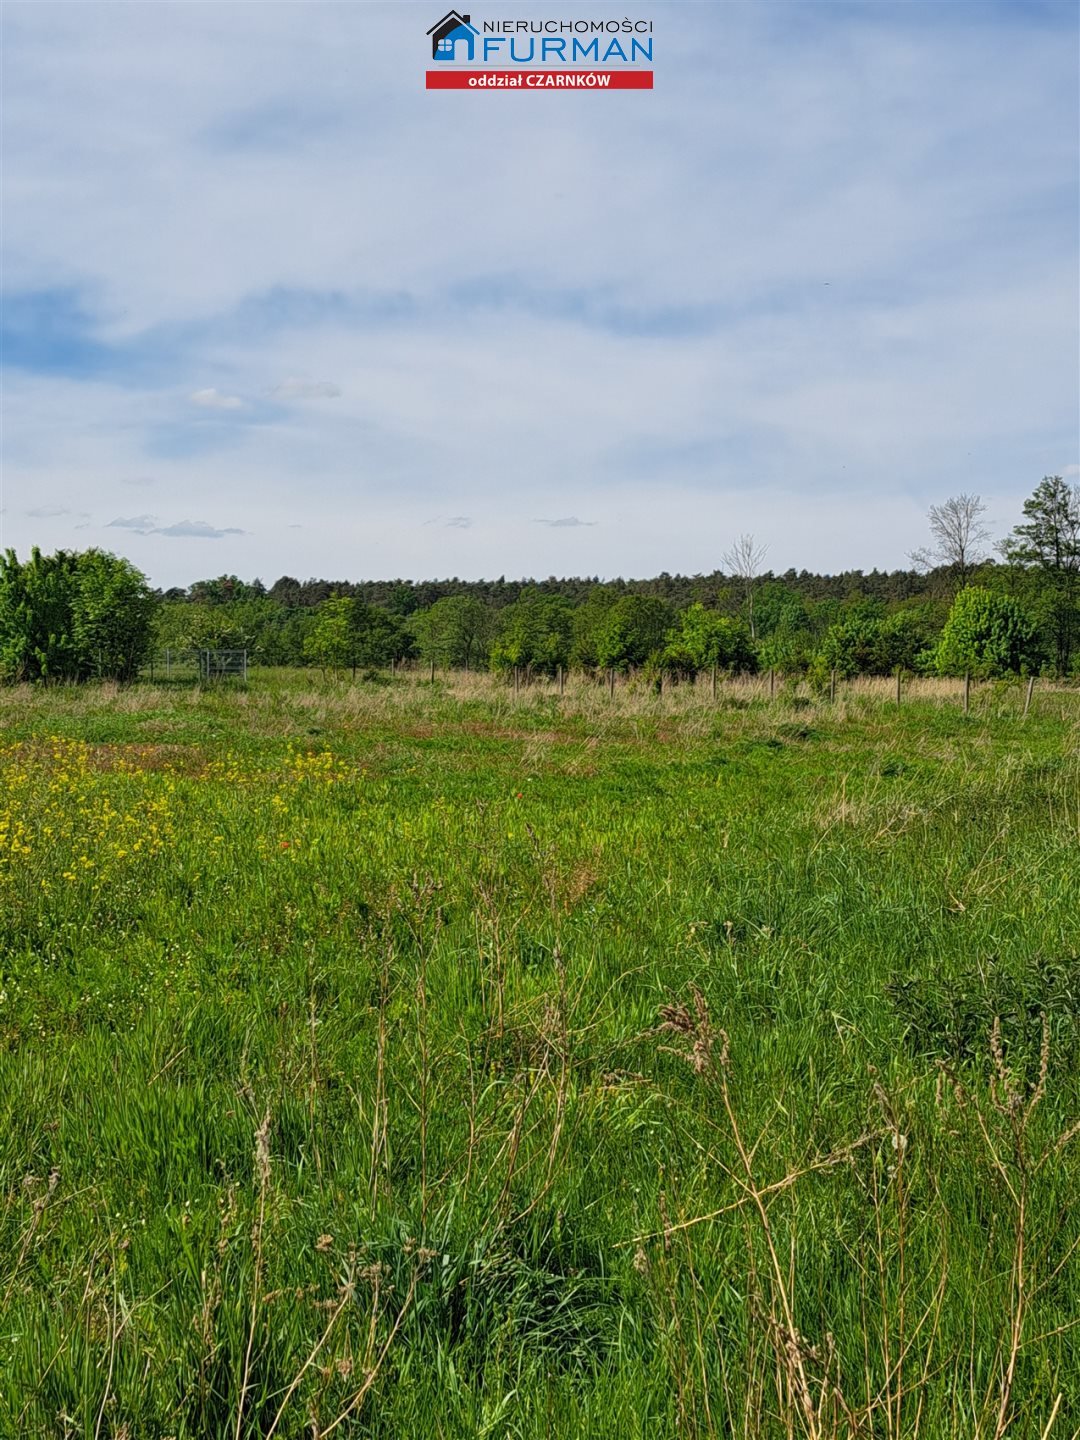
[(270, 307)]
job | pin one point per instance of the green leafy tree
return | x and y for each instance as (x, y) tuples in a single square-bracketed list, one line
[(37, 640), (786, 638), (456, 630), (777, 607), (332, 641), (702, 638), (345, 634), (987, 635), (867, 642), (73, 616), (589, 618), (853, 647), (788, 648), (288, 645), (908, 639), (112, 616), (536, 635), (380, 637), (1049, 542), (633, 632)]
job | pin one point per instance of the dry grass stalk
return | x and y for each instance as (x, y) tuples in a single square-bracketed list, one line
[(262, 1171)]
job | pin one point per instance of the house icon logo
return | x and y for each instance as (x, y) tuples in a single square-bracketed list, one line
[(446, 35)]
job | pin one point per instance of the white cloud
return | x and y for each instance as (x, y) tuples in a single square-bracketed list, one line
[(197, 530), (297, 389), (567, 522), (142, 523), (214, 400)]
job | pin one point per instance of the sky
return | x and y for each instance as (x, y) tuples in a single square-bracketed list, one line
[(270, 307)]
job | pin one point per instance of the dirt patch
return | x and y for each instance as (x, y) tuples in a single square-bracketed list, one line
[(174, 759)]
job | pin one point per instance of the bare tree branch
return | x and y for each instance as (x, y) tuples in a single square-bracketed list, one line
[(959, 537), (743, 560)]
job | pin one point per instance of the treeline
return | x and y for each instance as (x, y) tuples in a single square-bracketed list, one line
[(956, 611), (406, 597), (984, 632)]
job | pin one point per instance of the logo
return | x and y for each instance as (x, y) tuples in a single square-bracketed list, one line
[(453, 29), (540, 54)]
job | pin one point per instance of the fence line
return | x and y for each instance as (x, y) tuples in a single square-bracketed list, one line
[(771, 685)]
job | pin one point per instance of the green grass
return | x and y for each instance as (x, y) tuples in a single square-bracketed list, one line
[(382, 1052)]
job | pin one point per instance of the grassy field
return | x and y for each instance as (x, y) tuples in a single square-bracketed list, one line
[(413, 1060)]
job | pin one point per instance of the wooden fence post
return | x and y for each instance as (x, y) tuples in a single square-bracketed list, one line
[(433, 672), (832, 684), (561, 679), (898, 685), (1027, 697), (967, 692), (714, 682), (611, 682), (772, 684)]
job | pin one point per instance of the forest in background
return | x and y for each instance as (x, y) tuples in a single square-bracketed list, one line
[(956, 610)]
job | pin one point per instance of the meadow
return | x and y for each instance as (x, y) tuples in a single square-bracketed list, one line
[(411, 1059)]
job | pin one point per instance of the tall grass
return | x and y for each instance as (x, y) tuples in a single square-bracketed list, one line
[(424, 1060)]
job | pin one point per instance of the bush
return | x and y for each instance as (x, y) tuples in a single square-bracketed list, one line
[(866, 644)]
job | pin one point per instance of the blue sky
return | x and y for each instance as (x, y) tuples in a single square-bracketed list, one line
[(270, 307)]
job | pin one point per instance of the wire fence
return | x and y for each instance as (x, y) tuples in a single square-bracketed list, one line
[(198, 665), (205, 666)]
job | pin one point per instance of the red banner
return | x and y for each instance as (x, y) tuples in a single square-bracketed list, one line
[(539, 79)]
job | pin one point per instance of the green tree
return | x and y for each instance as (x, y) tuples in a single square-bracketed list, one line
[(702, 639), (589, 618), (112, 615), (73, 616), (332, 641), (1049, 542), (776, 607), (37, 641), (987, 635), (853, 647), (456, 630), (633, 632), (537, 633), (380, 637)]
